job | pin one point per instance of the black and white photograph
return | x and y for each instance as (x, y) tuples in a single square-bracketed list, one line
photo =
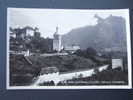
[(68, 49)]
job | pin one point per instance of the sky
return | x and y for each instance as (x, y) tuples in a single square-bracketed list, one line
[(48, 19)]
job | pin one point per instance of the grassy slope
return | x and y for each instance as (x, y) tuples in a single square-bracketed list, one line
[(22, 72)]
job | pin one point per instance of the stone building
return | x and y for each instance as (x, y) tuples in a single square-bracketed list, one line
[(23, 33)]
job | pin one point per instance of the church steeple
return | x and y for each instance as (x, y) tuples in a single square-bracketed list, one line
[(56, 30), (57, 41), (56, 35)]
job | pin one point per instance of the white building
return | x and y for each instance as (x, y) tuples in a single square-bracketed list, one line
[(29, 31), (116, 63), (72, 48), (57, 41)]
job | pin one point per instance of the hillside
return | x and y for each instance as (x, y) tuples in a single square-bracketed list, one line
[(23, 73), (107, 33), (20, 69), (63, 63)]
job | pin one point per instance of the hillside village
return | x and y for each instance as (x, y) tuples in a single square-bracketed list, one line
[(32, 55)]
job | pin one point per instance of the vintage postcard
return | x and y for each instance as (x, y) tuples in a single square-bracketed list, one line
[(68, 49)]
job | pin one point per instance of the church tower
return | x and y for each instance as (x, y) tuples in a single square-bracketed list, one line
[(57, 41)]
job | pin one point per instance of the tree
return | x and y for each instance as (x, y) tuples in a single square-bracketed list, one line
[(90, 52)]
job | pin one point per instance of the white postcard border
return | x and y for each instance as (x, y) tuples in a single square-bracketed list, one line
[(129, 86)]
